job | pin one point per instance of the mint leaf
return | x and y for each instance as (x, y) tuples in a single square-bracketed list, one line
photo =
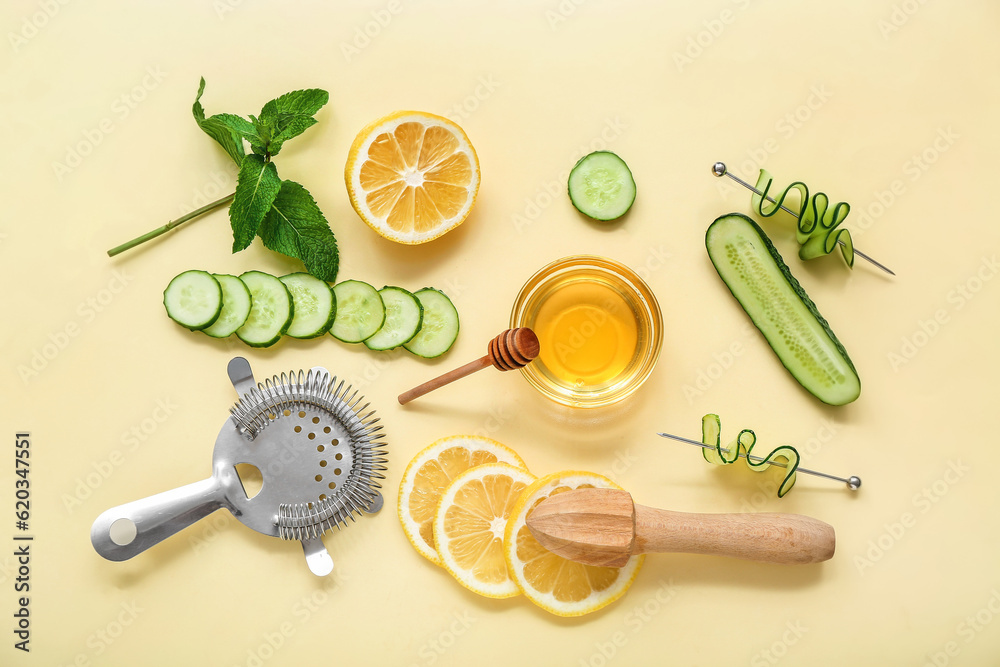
[(294, 126), (288, 116), (240, 126), (217, 129), (262, 138), (303, 102), (268, 119), (295, 226), (256, 188)]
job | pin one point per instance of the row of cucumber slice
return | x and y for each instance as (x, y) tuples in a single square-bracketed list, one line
[(260, 308)]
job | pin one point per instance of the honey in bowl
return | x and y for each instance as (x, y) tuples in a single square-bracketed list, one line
[(589, 334), (599, 327)]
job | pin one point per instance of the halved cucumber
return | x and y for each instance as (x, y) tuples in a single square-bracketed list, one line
[(315, 305), (270, 312), (236, 302), (439, 328), (403, 316), (601, 186), (360, 311), (193, 299), (759, 279)]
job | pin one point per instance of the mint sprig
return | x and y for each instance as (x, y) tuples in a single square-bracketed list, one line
[(295, 226), (256, 187), (281, 212), (216, 128)]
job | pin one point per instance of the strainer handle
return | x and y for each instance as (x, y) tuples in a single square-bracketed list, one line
[(127, 530)]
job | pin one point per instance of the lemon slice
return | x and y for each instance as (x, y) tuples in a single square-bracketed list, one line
[(412, 176), (558, 585), (429, 474), (469, 527)]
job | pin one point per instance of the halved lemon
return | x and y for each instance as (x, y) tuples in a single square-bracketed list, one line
[(412, 176), (429, 474), (469, 527), (554, 583)]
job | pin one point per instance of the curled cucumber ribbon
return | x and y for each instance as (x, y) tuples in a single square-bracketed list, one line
[(787, 455), (816, 231)]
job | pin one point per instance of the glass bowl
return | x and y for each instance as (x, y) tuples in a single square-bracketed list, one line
[(599, 326)]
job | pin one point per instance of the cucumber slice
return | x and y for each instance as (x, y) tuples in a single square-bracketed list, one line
[(315, 305), (235, 306), (403, 316), (439, 328), (270, 312), (360, 311), (193, 299), (778, 306), (601, 186)]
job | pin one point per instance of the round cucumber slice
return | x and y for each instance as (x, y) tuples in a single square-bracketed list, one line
[(315, 305), (236, 302), (601, 186), (403, 316), (271, 310), (439, 327), (360, 311), (193, 299)]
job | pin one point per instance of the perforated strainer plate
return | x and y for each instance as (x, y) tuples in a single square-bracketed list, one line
[(318, 449)]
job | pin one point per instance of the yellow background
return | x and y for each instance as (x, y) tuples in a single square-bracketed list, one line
[(890, 105)]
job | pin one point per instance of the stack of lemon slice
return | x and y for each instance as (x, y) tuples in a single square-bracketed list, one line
[(463, 502)]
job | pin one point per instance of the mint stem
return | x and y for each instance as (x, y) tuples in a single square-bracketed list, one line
[(170, 225)]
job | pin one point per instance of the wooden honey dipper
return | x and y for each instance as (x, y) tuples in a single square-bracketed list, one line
[(514, 348)]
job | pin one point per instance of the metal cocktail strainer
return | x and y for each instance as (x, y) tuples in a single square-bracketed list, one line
[(319, 451)]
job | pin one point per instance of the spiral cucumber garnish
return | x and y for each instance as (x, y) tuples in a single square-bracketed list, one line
[(816, 231), (785, 455)]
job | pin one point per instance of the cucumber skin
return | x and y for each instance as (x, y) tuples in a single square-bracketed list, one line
[(352, 342), (572, 200), (458, 324), (284, 328), (216, 276), (333, 309), (217, 313), (420, 306), (799, 292)]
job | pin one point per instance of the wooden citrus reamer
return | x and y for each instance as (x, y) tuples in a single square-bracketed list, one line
[(514, 348), (604, 527)]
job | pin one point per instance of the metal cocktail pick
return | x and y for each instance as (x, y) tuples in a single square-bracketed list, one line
[(719, 169), (852, 482)]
